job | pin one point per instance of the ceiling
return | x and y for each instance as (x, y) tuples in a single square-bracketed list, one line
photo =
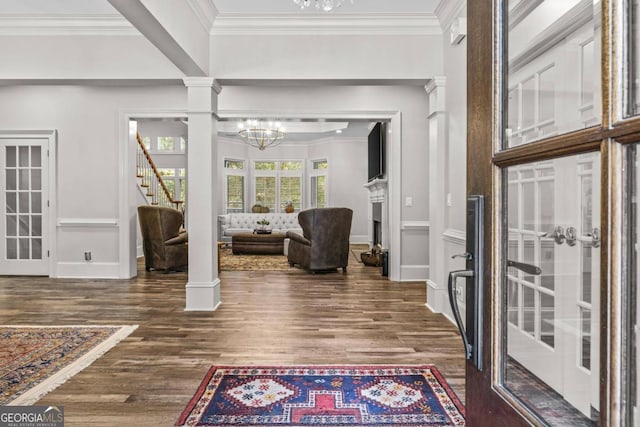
[(224, 7), (365, 7)]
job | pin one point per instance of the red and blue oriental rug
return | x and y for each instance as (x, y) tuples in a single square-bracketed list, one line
[(36, 359), (323, 395)]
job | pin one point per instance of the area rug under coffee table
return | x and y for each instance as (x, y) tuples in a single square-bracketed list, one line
[(323, 395), (36, 359)]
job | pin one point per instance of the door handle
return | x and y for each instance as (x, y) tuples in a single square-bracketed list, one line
[(453, 277), (472, 331), (527, 268)]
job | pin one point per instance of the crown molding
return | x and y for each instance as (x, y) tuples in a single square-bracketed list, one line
[(388, 24), (448, 10), (205, 11), (69, 25)]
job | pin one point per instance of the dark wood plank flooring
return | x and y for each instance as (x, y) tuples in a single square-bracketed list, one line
[(276, 318)]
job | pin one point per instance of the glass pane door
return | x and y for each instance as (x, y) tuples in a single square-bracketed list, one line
[(550, 353), (553, 67), (24, 198)]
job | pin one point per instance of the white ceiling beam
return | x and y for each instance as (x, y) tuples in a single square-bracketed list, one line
[(173, 28)]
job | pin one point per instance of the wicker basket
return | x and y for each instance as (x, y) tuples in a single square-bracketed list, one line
[(370, 260)]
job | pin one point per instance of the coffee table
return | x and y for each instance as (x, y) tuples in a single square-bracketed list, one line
[(253, 243)]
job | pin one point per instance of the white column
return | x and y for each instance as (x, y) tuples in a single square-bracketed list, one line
[(203, 286), (437, 127)]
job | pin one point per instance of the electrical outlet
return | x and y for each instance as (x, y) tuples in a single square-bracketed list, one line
[(408, 201), (449, 199), (87, 256)]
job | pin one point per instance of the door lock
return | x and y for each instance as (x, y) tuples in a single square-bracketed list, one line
[(472, 328)]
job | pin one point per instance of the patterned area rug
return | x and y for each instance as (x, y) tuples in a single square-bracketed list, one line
[(231, 262), (323, 395), (34, 360)]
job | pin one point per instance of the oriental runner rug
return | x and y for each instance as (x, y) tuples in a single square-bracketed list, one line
[(323, 395), (34, 360)]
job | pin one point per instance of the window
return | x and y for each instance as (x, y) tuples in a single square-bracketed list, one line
[(234, 185), (318, 183), (278, 183), (174, 180), (165, 144)]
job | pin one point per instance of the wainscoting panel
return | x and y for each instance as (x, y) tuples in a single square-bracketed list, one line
[(414, 265), (96, 236)]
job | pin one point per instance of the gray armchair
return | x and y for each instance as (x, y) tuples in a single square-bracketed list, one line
[(324, 244), (165, 248)]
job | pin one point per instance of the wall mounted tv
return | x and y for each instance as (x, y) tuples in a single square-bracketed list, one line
[(376, 151)]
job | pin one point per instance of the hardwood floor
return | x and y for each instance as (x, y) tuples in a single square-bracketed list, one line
[(277, 318)]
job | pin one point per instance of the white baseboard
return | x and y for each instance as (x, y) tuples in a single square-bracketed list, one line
[(433, 299), (414, 273), (358, 239), (88, 270), (203, 296)]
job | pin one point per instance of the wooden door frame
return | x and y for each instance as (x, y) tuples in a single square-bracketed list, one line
[(488, 403)]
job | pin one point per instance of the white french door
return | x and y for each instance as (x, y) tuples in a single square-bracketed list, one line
[(24, 190), (554, 224)]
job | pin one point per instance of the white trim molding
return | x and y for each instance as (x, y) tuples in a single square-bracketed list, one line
[(203, 296), (372, 24), (454, 236), (72, 25), (88, 270), (88, 222), (414, 225), (448, 10), (414, 273), (205, 11)]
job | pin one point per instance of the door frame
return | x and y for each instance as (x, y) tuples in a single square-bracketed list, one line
[(488, 402), (127, 150), (52, 211)]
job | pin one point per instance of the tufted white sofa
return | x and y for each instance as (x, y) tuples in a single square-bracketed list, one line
[(233, 223)]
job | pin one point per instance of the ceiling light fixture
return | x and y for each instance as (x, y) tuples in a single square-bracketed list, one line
[(325, 5), (261, 135)]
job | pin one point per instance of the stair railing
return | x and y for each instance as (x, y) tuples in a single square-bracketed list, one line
[(147, 171)]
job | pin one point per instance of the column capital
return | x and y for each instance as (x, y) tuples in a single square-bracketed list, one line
[(435, 83), (203, 82)]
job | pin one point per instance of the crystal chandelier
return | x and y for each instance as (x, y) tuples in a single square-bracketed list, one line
[(325, 5), (261, 134)]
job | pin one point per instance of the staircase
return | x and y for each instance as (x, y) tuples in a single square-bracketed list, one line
[(151, 181)]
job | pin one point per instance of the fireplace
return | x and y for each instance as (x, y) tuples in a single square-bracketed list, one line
[(378, 214), (376, 219)]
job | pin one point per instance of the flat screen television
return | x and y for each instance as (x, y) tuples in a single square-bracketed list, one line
[(376, 151)]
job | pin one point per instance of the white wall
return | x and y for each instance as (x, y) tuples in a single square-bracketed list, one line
[(83, 57), (88, 121), (347, 174), (325, 57)]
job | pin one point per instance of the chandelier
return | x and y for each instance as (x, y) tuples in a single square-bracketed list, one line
[(325, 5), (261, 134)]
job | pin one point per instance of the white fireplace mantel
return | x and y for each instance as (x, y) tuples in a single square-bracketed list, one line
[(378, 189)]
